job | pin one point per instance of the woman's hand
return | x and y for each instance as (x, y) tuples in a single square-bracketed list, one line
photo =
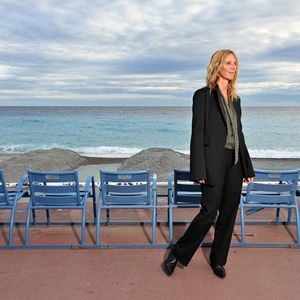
[(248, 180), (200, 181)]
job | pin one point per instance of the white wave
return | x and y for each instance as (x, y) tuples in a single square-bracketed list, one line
[(266, 153), (183, 151), (15, 148), (20, 148), (105, 151)]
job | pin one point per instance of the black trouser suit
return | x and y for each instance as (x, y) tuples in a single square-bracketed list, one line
[(209, 160)]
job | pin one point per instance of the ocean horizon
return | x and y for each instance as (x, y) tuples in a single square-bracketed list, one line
[(121, 131)]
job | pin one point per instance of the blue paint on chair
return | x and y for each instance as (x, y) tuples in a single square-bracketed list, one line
[(60, 191), (9, 199), (183, 193), (271, 189), (126, 190)]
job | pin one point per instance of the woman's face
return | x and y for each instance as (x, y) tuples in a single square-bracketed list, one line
[(229, 67)]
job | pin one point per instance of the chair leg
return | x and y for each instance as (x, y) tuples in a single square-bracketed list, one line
[(154, 212), (297, 224), (27, 226), (242, 224), (98, 222), (107, 216), (11, 226), (277, 215), (33, 217), (170, 216), (82, 240), (94, 205), (48, 216), (289, 218)]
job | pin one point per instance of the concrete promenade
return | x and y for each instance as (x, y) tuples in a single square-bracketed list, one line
[(135, 274), (252, 273)]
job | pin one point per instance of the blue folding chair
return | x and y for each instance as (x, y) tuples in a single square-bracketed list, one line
[(126, 190), (57, 191), (298, 186), (182, 194), (9, 199), (271, 189)]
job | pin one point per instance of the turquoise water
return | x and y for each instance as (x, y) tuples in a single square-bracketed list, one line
[(123, 131)]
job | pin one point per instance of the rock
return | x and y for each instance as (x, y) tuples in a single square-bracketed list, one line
[(161, 161), (51, 160)]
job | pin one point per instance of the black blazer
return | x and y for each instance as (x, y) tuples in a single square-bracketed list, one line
[(209, 136)]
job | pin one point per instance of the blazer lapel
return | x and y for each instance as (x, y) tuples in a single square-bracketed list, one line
[(236, 108), (221, 107)]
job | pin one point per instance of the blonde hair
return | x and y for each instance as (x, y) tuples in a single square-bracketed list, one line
[(214, 69)]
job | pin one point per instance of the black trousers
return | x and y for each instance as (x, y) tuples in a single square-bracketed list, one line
[(222, 198)]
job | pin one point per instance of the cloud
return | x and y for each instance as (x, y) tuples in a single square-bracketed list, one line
[(122, 50)]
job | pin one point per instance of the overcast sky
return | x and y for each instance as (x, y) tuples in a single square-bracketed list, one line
[(134, 52)]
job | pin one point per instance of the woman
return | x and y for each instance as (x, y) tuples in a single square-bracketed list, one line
[(219, 161)]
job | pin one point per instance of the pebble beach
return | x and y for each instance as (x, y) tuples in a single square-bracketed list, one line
[(161, 161)]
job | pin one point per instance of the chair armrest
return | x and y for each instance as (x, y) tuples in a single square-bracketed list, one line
[(170, 188), (154, 188), (19, 188), (90, 182)]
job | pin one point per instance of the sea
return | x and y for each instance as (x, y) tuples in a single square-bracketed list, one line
[(102, 131)]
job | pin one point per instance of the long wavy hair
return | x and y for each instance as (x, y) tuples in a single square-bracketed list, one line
[(213, 72)]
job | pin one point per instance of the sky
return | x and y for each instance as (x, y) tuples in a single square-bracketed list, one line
[(139, 52)]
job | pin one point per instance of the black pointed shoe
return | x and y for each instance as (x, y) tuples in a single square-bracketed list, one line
[(219, 270), (169, 264)]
